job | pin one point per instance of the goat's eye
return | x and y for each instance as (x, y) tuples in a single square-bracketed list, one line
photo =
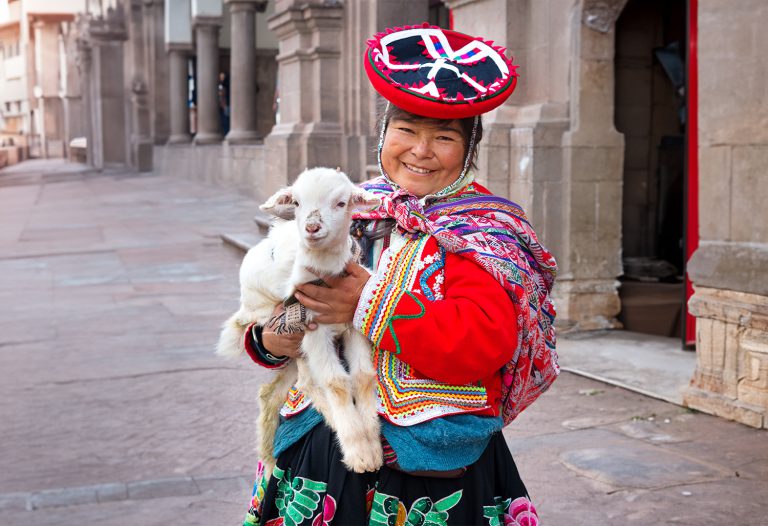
[(295, 202), (341, 204)]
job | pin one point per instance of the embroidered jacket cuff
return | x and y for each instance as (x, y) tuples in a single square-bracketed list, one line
[(256, 351)]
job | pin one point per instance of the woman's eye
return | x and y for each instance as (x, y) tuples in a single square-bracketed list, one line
[(405, 130), (445, 138), (341, 204)]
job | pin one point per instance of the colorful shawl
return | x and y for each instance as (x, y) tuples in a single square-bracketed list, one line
[(494, 233)]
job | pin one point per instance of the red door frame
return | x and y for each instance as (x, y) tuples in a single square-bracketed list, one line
[(691, 234)]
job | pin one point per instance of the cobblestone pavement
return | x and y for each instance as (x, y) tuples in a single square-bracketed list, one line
[(115, 411)]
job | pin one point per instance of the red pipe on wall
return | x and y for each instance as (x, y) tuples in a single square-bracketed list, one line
[(692, 194)]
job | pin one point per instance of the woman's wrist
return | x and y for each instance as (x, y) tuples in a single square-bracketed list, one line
[(263, 350)]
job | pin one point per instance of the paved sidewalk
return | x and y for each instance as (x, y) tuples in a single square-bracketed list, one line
[(115, 411)]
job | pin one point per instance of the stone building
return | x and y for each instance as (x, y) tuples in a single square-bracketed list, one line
[(39, 88), (635, 140)]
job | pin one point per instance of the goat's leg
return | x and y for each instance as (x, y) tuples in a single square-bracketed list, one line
[(337, 404), (271, 398), (357, 351)]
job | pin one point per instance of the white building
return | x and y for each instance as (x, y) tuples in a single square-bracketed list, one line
[(39, 87)]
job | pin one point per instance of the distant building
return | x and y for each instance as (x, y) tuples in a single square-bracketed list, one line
[(636, 140), (39, 88)]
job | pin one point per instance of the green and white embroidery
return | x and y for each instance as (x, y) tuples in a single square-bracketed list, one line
[(389, 511), (297, 498)]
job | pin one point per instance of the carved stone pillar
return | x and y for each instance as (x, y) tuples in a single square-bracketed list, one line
[(156, 69), (207, 49), (178, 44), (106, 89), (84, 66), (244, 122), (309, 132), (140, 139), (179, 72)]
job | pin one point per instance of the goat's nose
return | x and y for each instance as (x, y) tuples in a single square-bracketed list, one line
[(312, 228)]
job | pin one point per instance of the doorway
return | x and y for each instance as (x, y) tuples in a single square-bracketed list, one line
[(650, 112)]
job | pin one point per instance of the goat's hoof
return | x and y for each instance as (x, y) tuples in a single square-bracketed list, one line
[(370, 457)]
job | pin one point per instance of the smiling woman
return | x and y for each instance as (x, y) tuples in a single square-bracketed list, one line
[(425, 155), (455, 303)]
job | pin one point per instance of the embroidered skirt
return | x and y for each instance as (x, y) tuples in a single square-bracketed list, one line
[(311, 487)]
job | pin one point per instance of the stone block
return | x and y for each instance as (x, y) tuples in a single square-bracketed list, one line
[(111, 492), (160, 488), (16, 501), (608, 214), (724, 407), (595, 164), (731, 378), (733, 266), (715, 192), (63, 497), (587, 304), (732, 113), (521, 192), (749, 194), (753, 384), (548, 218)]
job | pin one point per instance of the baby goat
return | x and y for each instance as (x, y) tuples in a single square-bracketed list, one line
[(297, 251)]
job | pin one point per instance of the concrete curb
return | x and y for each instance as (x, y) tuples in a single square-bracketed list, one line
[(118, 491)]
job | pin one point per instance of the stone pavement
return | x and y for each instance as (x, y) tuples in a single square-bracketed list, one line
[(114, 410)]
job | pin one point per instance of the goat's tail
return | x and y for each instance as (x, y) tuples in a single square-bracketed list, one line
[(231, 340), (271, 398)]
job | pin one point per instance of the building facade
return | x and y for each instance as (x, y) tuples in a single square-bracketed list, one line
[(39, 85), (635, 139)]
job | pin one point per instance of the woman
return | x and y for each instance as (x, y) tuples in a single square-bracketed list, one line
[(457, 310)]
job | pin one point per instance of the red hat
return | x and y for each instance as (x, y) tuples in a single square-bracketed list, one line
[(439, 73)]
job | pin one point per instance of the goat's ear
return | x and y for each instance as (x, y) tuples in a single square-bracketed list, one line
[(363, 200), (281, 204)]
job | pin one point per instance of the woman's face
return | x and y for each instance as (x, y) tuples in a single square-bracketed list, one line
[(423, 157)]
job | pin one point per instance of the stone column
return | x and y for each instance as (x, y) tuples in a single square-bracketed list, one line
[(207, 49), (309, 132), (106, 90), (243, 111), (178, 44), (593, 160), (728, 269), (140, 139), (84, 66), (179, 71), (156, 69)]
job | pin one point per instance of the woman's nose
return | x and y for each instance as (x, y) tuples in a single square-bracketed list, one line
[(422, 148)]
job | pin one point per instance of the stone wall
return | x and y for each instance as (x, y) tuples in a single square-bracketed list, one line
[(241, 167), (729, 268)]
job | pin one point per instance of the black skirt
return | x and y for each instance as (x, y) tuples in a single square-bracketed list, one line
[(311, 487)]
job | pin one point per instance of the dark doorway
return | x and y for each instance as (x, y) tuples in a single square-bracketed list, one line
[(650, 112)]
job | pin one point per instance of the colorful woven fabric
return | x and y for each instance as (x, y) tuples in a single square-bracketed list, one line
[(494, 233), (295, 403), (405, 398)]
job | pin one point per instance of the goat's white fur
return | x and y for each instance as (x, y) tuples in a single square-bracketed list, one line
[(322, 201)]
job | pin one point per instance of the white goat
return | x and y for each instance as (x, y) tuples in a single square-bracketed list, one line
[(297, 251)]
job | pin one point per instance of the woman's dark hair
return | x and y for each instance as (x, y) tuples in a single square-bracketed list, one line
[(392, 112)]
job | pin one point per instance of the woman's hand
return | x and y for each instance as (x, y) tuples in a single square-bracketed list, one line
[(337, 302), (280, 345)]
